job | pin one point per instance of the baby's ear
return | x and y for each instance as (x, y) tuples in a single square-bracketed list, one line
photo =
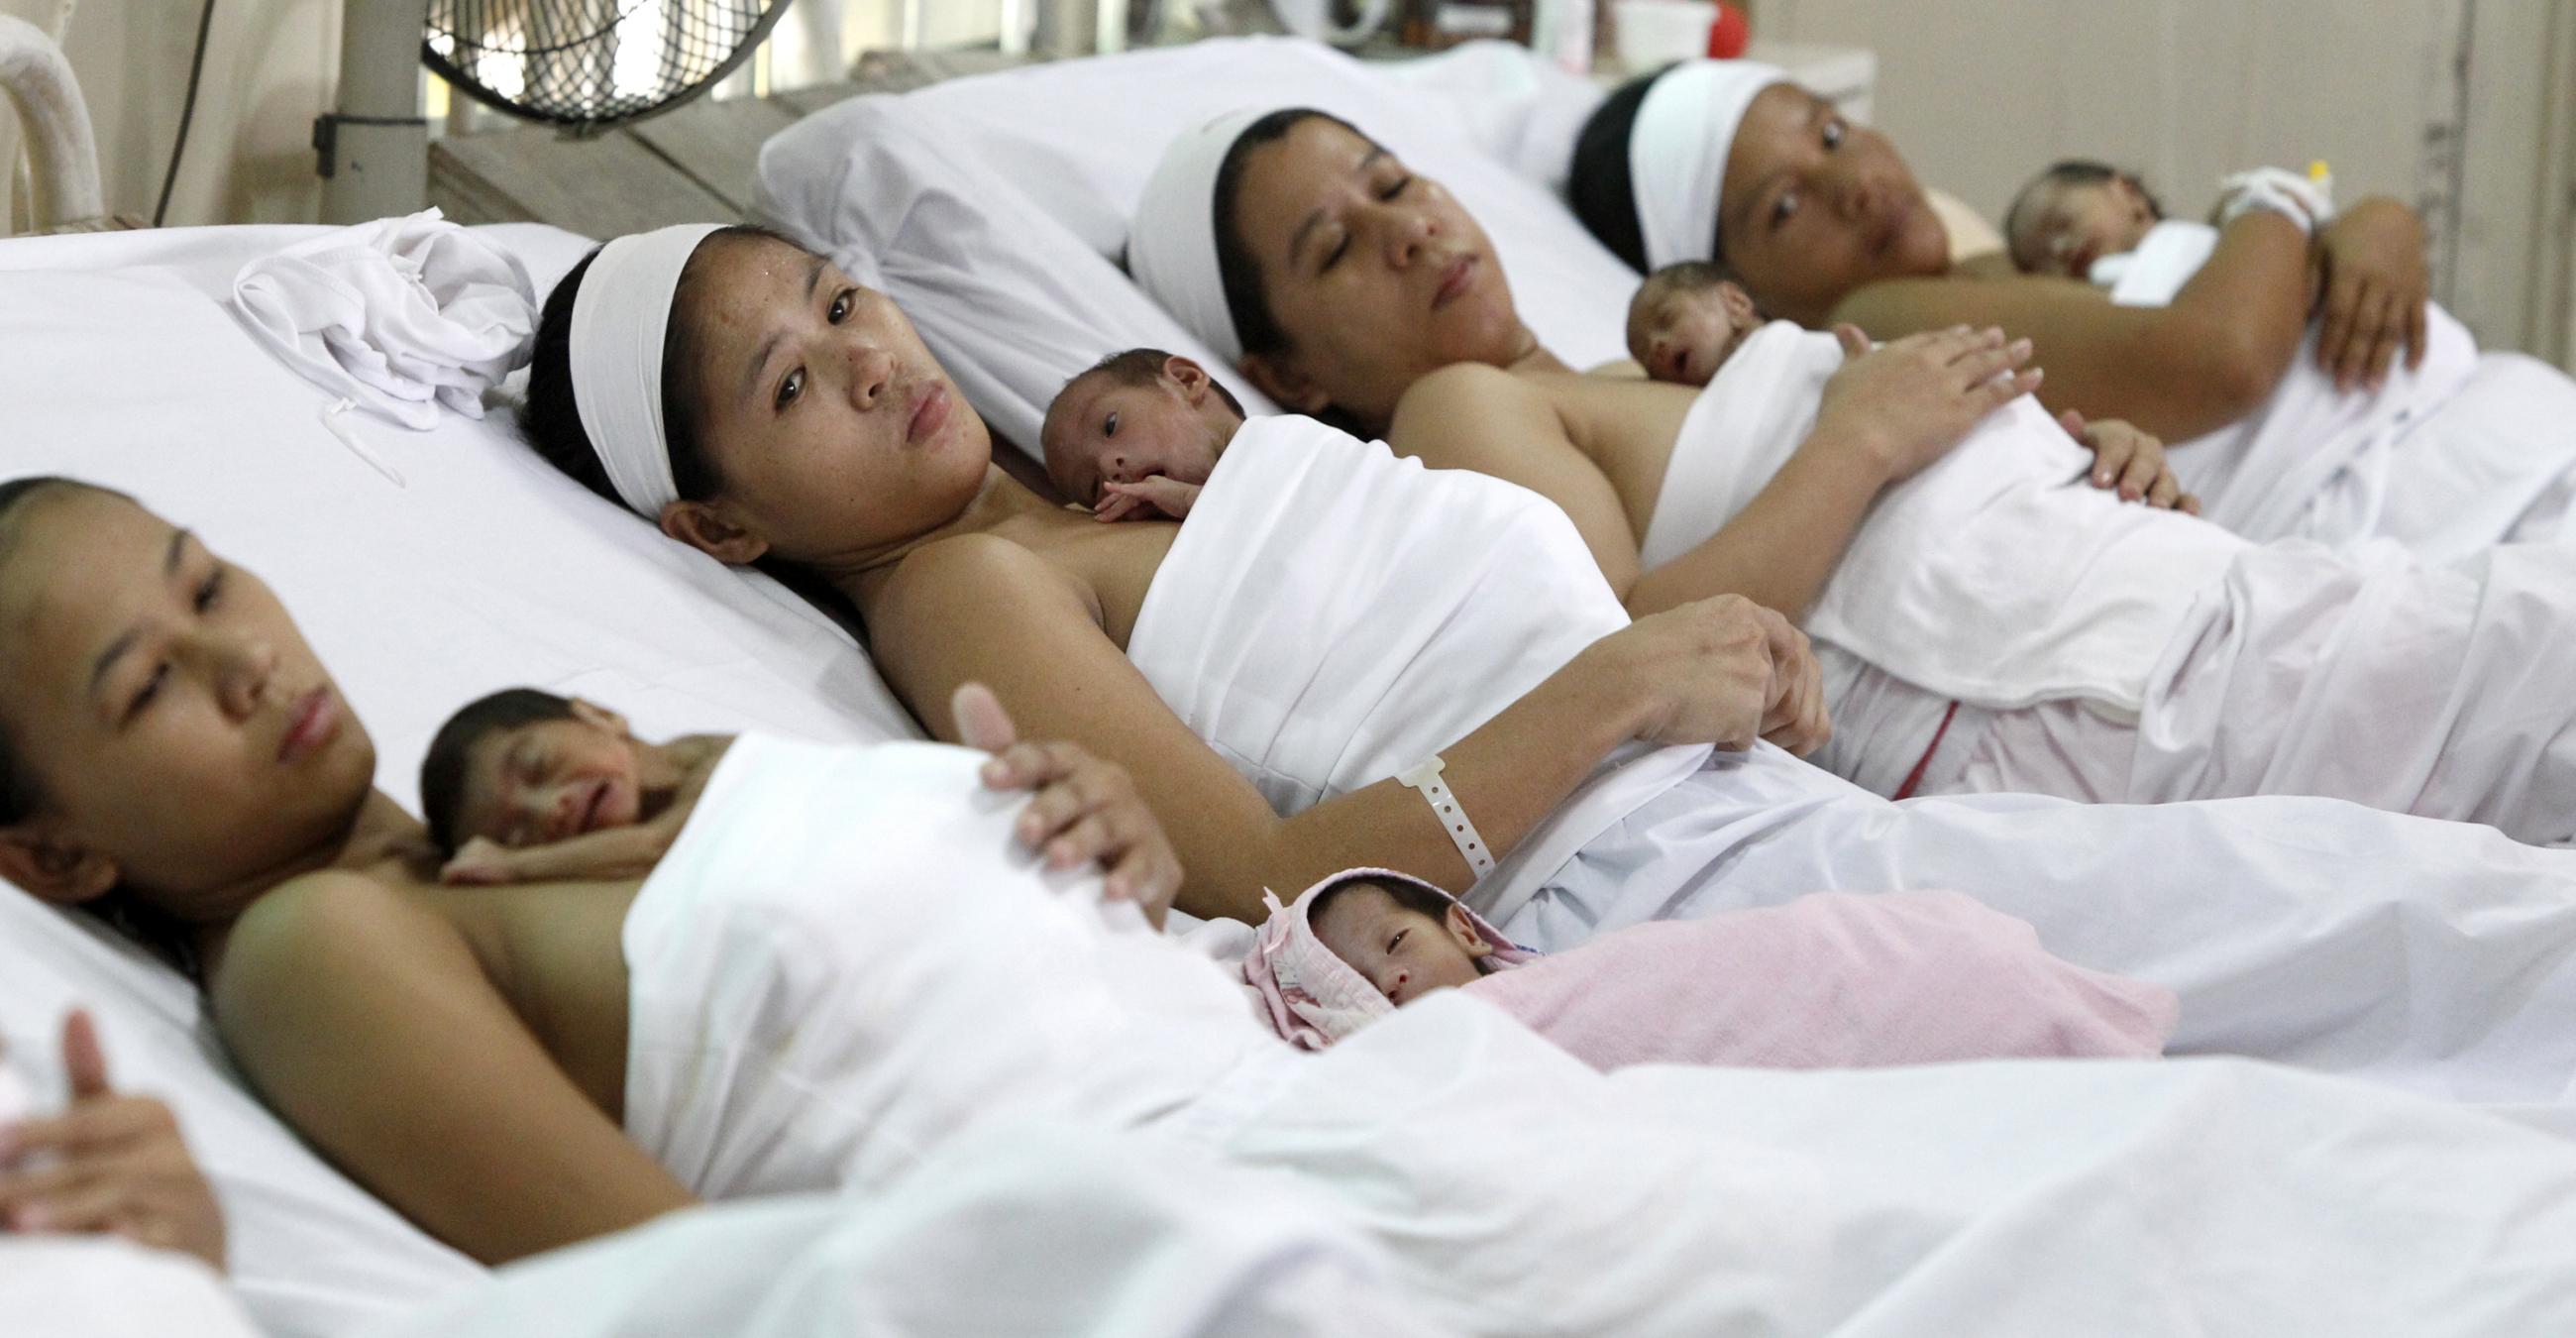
[(597, 716), (1738, 303), (1188, 375), (1462, 927)]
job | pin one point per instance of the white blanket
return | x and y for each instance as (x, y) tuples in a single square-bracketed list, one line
[(1507, 1182), (1388, 577), (1998, 576), (2292, 928), (404, 316), (2001, 578), (1031, 1230), (819, 963)]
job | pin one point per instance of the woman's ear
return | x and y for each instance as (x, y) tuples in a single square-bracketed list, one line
[(38, 856), (1462, 927), (1278, 376), (705, 528)]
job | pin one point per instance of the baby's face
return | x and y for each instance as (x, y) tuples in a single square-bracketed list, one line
[(1103, 430), (2069, 227), (1402, 952), (548, 782), (1683, 333)]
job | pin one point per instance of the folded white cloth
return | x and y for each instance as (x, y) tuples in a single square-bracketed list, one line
[(401, 315)]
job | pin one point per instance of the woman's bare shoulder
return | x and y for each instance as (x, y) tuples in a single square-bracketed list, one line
[(316, 926)]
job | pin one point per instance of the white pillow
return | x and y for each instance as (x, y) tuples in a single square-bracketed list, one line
[(993, 208), (486, 568)]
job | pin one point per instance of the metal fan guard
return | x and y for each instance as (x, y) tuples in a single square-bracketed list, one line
[(569, 73)]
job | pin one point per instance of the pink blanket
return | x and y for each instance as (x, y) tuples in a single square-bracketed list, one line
[(1831, 980)]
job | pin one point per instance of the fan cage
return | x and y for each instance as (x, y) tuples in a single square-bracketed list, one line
[(588, 65)]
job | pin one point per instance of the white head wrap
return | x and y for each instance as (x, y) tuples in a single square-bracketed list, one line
[(618, 319), (1677, 152), (1171, 247)]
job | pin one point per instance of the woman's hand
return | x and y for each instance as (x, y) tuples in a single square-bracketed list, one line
[(2375, 286), (2131, 461), (1086, 811), (109, 1164), (1721, 671), (1907, 403)]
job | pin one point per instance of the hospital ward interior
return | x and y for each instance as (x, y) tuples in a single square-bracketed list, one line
[(1783, 668)]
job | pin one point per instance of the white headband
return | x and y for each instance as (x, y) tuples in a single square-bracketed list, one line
[(618, 319), (1171, 247), (1677, 152)]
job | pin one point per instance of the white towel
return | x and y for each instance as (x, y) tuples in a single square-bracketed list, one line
[(401, 315), (1332, 615), (1999, 576)]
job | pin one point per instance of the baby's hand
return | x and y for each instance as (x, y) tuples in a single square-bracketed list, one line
[(480, 862), (1155, 497), (1085, 810), (2131, 461)]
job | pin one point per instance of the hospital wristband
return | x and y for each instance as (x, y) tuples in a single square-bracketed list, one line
[(2306, 201), (1425, 777)]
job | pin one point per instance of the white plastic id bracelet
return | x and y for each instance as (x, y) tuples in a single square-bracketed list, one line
[(2305, 200), (1453, 816)]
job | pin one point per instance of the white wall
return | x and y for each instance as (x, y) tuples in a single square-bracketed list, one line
[(270, 65), (1983, 95)]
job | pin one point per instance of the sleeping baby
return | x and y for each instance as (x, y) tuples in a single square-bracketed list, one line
[(2099, 224), (1831, 980), (524, 785), (1688, 319), (1134, 437)]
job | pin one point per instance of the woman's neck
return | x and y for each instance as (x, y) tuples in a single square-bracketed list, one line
[(380, 838), (998, 501)]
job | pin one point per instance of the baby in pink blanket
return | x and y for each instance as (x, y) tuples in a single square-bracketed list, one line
[(1831, 980)]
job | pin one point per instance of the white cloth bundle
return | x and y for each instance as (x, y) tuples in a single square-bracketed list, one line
[(404, 316), (1999, 576), (845, 961), (1332, 615), (2164, 260)]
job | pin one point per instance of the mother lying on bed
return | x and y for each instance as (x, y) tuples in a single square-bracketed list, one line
[(1279, 684), (2442, 449), (847, 966), (1986, 625)]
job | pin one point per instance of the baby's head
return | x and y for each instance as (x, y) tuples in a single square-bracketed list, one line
[(1405, 939), (1133, 415), (528, 768), (1687, 320), (2074, 214)]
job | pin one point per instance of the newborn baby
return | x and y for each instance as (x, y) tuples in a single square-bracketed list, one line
[(1687, 320), (1825, 981), (526, 785), (1134, 437), (2096, 223), (2075, 213)]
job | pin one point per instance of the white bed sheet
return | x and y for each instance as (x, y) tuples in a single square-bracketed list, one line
[(994, 208), (487, 569)]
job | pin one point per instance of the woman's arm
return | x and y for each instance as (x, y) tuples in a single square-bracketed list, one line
[(2178, 371), (984, 609), (367, 1022), (1586, 443)]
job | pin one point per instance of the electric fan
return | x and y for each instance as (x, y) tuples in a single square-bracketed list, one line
[(581, 65), (587, 65)]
